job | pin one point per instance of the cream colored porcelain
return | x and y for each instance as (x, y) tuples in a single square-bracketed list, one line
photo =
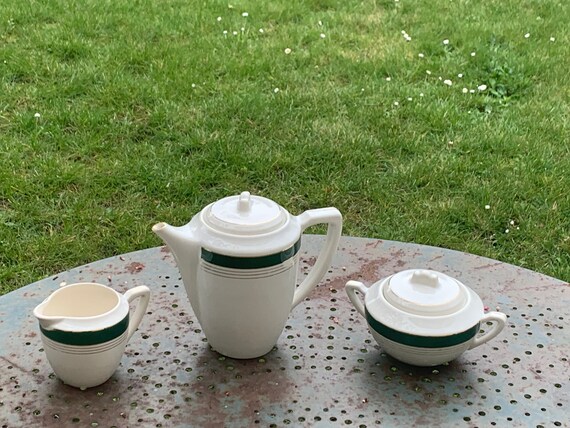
[(239, 259), (85, 328), (423, 317)]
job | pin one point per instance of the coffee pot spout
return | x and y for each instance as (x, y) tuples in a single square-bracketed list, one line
[(174, 237), (186, 249)]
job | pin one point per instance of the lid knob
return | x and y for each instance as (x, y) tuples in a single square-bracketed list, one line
[(244, 201), (425, 277)]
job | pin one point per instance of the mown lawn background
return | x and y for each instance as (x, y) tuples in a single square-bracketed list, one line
[(115, 115)]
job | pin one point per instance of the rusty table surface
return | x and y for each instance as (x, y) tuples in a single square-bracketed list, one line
[(326, 369)]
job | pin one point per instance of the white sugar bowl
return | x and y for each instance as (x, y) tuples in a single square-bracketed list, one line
[(423, 317)]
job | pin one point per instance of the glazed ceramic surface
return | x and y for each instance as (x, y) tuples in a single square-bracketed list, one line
[(423, 317), (85, 328), (238, 259)]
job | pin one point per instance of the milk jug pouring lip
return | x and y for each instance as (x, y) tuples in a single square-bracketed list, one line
[(249, 229)]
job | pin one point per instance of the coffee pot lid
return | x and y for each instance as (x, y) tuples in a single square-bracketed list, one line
[(425, 292), (245, 214)]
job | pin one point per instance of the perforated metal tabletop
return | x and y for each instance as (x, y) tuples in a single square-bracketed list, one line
[(326, 370)]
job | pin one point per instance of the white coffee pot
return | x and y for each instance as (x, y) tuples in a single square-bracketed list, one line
[(239, 259)]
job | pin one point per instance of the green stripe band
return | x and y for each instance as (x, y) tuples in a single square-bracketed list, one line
[(250, 262), (85, 338), (421, 341)]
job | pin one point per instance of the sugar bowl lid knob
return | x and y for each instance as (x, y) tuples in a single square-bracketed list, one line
[(244, 201), (426, 277)]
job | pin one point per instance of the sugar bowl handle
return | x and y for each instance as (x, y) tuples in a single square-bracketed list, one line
[(499, 321), (351, 288)]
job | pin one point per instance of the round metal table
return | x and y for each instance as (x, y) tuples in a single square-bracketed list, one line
[(326, 370)]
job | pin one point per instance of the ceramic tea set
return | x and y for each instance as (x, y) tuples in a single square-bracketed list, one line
[(238, 259)]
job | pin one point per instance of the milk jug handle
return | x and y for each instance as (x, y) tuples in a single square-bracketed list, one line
[(333, 218), (141, 292)]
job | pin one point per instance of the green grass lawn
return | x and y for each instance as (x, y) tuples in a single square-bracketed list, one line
[(115, 115)]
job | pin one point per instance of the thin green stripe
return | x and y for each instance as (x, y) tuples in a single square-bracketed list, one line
[(250, 262), (85, 338), (421, 341)]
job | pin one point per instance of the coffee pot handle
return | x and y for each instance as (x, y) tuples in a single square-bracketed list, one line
[(333, 218), (499, 321), (142, 292)]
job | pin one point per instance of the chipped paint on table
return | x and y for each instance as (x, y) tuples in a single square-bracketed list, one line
[(326, 368)]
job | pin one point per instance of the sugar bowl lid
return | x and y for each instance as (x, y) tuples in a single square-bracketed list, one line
[(425, 292)]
